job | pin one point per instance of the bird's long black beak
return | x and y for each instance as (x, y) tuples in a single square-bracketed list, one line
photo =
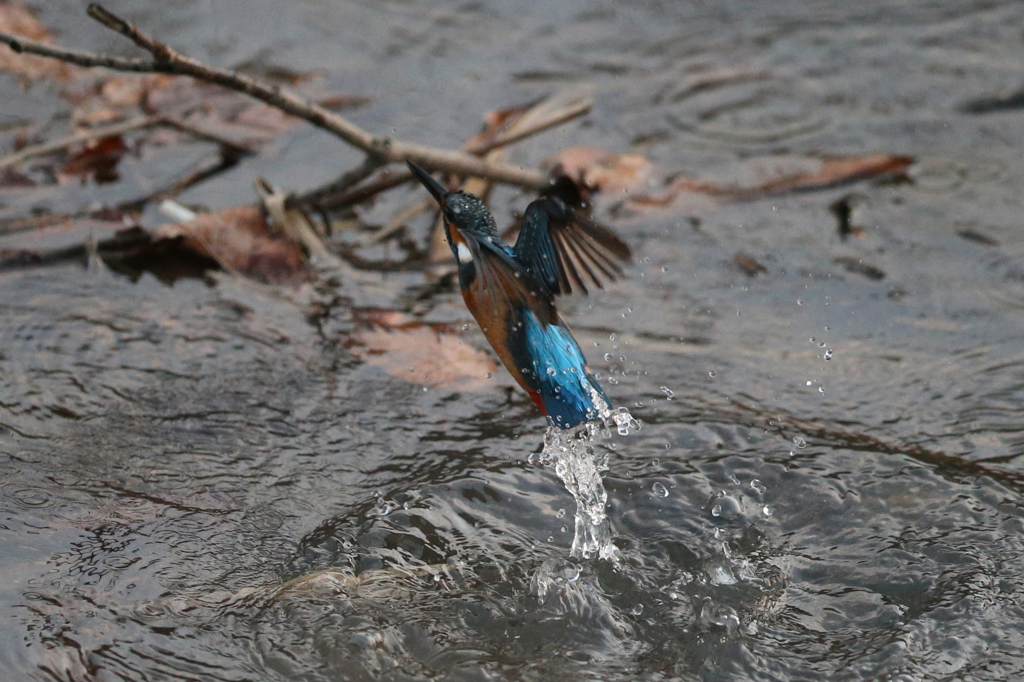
[(432, 185)]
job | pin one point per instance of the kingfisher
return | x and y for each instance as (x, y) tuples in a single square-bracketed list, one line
[(510, 291)]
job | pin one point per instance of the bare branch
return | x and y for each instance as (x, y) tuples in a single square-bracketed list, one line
[(21, 44), (353, 177), (78, 138), (168, 60), (334, 195)]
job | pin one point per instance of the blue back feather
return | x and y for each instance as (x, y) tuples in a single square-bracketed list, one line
[(571, 395)]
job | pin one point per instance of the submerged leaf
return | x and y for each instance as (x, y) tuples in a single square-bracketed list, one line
[(599, 169), (98, 159), (430, 355), (18, 19)]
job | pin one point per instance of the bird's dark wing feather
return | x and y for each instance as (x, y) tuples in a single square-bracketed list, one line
[(561, 249)]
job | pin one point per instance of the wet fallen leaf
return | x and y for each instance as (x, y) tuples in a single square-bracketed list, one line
[(778, 175), (748, 264), (832, 172), (341, 102), (18, 19), (430, 355), (496, 122), (240, 240), (859, 267), (98, 159), (102, 98), (599, 169), (977, 237)]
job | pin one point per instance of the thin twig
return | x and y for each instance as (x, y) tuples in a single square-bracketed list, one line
[(226, 159), (330, 199), (167, 60), (235, 147), (398, 220), (78, 138), (353, 177), (572, 111)]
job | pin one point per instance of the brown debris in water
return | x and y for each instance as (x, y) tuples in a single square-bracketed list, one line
[(429, 355), (241, 241)]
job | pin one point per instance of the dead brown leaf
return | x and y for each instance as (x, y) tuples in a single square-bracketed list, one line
[(429, 355), (240, 240), (748, 264), (497, 122), (832, 172), (98, 159), (18, 19), (601, 170), (782, 175), (103, 98)]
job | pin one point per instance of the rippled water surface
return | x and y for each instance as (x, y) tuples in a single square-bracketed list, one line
[(203, 481)]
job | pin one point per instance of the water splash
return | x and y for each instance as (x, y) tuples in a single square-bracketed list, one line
[(571, 452)]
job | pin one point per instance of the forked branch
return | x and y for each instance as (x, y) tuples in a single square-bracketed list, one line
[(379, 149)]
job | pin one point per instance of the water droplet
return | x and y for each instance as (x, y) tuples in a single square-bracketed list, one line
[(828, 354), (561, 513), (660, 490), (563, 528), (668, 392), (821, 344), (465, 327), (612, 337), (609, 357), (726, 506), (720, 615), (767, 511), (758, 487), (799, 442), (821, 389), (711, 373), (489, 375), (638, 609), (799, 302), (664, 268)]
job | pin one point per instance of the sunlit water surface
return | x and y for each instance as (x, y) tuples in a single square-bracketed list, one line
[(204, 482)]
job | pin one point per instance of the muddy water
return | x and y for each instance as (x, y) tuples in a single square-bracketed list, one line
[(200, 481)]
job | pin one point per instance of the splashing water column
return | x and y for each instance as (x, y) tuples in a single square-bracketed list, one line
[(571, 452)]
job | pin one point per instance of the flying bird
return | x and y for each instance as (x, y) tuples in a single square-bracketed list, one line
[(511, 290)]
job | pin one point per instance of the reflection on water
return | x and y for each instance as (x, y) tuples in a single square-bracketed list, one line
[(204, 482)]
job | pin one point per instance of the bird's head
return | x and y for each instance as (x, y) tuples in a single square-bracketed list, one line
[(464, 212)]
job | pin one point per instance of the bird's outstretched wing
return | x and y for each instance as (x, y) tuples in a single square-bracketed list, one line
[(562, 249), (499, 283)]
